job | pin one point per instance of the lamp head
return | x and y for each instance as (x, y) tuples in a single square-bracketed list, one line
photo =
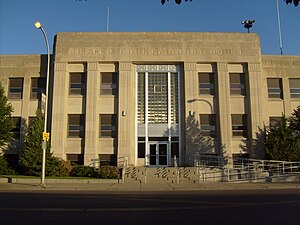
[(37, 24)]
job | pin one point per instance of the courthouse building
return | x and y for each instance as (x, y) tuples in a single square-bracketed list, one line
[(146, 95)]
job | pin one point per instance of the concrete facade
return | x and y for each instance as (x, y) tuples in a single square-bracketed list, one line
[(137, 59)]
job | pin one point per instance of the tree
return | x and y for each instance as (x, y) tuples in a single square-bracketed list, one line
[(5, 119), (176, 1), (296, 2), (31, 159), (282, 143), (295, 121)]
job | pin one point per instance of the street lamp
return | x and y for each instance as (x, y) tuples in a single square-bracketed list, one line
[(38, 25)]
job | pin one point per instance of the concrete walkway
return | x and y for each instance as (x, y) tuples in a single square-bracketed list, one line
[(115, 186)]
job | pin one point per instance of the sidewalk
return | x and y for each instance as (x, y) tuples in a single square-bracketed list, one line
[(114, 186)]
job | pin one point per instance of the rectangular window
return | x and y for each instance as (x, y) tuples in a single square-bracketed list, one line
[(77, 83), (208, 124), (107, 126), (237, 84), (239, 125), (16, 127), (274, 88), (206, 83), (275, 121), (108, 159), (108, 84), (15, 88), (38, 86), (141, 149), (295, 87), (76, 125), (75, 159)]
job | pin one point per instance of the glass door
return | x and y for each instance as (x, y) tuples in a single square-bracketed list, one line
[(158, 154)]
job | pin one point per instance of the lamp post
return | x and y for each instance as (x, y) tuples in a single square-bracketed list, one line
[(38, 25)]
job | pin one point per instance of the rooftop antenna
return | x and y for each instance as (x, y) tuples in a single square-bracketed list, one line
[(279, 28), (248, 24), (107, 20)]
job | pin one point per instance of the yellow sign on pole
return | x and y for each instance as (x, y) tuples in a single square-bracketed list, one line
[(46, 136)]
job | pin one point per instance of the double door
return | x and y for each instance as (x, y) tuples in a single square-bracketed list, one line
[(158, 154)]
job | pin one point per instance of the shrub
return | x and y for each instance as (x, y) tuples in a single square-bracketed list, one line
[(105, 172), (4, 167), (83, 171), (108, 172)]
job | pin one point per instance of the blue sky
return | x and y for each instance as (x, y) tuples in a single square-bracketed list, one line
[(19, 36)]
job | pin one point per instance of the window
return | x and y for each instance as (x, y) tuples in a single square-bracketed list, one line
[(75, 159), (38, 86), (275, 121), (77, 83), (15, 88), (141, 147), (274, 88), (295, 87), (208, 124), (237, 84), (239, 125), (16, 127), (108, 125), (76, 125), (206, 84), (108, 159), (108, 84)]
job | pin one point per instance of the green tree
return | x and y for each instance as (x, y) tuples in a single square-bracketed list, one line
[(31, 159), (5, 119), (296, 2), (282, 143), (295, 121), (176, 1)]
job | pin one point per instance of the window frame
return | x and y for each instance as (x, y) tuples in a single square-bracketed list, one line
[(294, 89), (210, 128), (76, 128), (108, 130), (77, 89), (239, 129), (237, 88), (15, 92), (274, 92), (109, 88), (206, 88)]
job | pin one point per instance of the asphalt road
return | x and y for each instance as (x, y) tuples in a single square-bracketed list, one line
[(253, 207)]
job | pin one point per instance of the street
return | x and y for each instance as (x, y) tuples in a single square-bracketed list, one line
[(253, 207)]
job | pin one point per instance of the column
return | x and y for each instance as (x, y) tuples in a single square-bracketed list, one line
[(59, 124), (91, 115), (224, 111), (255, 112), (191, 95), (126, 112)]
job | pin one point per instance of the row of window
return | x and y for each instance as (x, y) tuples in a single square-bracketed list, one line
[(77, 85), (238, 85), (238, 121), (107, 125), (103, 159), (108, 85)]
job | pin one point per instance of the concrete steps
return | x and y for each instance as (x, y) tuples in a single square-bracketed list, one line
[(186, 175)]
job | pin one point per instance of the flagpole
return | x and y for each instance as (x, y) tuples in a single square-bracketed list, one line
[(107, 20), (279, 28)]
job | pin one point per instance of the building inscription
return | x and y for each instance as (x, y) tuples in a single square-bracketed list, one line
[(163, 51)]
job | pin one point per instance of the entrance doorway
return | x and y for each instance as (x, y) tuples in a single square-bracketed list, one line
[(158, 154)]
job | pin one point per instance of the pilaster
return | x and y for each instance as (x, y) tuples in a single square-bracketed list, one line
[(91, 115), (59, 118), (126, 112)]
